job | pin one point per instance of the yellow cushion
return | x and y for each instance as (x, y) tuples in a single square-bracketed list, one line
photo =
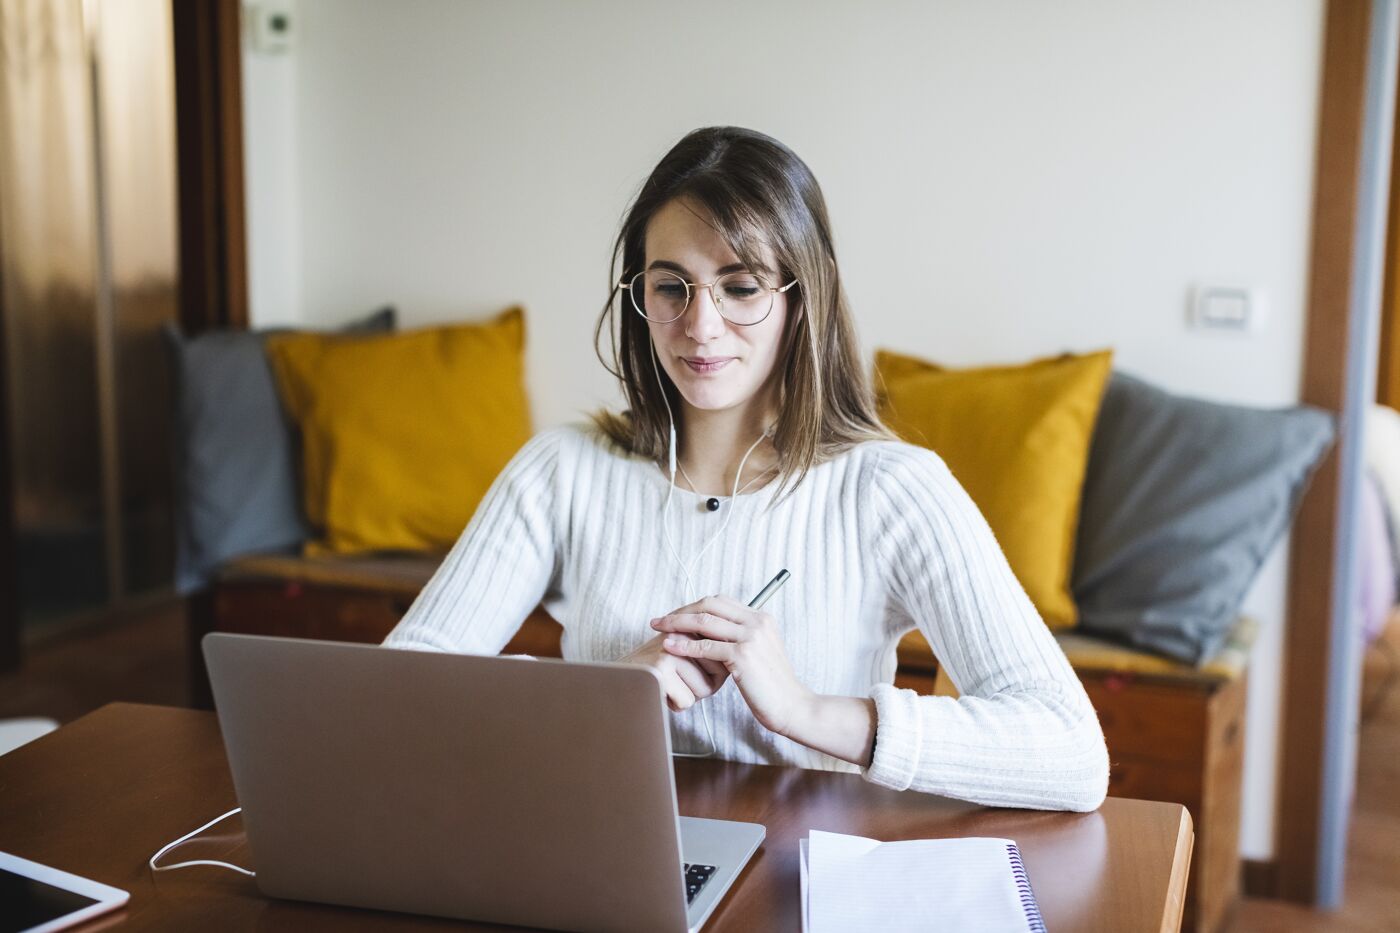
[(1017, 438), (1093, 656), (1090, 654), (403, 434)]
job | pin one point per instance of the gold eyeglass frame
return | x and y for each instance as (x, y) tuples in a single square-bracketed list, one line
[(691, 288)]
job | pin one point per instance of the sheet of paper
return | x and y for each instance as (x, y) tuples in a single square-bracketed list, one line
[(850, 882)]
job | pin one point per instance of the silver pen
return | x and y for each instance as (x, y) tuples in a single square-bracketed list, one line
[(772, 587)]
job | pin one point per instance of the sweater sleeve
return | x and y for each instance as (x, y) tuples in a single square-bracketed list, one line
[(506, 560), (1023, 732)]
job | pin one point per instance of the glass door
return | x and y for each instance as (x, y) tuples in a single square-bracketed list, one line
[(87, 274)]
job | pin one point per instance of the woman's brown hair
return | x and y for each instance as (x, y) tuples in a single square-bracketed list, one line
[(756, 192)]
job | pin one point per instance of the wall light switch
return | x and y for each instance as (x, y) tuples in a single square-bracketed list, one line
[(1227, 308), (271, 27)]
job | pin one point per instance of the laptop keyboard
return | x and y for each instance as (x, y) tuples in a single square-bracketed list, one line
[(695, 878)]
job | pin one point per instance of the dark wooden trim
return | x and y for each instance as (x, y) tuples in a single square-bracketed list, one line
[(200, 620), (1312, 570), (213, 249), (11, 653), (1388, 364), (209, 143), (1258, 878)]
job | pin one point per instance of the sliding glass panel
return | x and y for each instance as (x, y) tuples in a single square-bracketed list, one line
[(48, 251), (137, 92)]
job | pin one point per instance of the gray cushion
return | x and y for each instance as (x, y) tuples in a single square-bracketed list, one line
[(236, 488), (1183, 500)]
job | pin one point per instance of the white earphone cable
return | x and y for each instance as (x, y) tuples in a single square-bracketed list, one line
[(670, 543), (168, 846), (742, 489)]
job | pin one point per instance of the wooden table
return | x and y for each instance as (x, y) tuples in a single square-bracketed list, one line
[(99, 796)]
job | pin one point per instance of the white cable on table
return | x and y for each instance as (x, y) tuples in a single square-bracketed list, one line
[(166, 848)]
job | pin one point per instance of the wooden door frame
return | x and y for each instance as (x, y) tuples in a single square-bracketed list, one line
[(1388, 353), (213, 231), (11, 649), (1339, 337), (209, 143)]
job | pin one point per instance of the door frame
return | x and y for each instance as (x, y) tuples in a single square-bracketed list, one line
[(11, 648), (209, 164), (1319, 696)]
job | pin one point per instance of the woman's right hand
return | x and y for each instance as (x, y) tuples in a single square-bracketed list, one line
[(685, 680)]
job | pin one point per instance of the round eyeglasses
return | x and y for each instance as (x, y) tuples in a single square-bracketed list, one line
[(741, 298)]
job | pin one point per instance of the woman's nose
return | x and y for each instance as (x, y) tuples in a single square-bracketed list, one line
[(703, 320)]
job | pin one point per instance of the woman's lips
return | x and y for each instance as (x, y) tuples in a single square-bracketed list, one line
[(708, 364)]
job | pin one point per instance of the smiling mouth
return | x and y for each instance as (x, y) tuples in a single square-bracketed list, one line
[(710, 365)]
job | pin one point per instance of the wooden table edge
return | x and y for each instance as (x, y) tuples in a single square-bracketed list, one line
[(1175, 907)]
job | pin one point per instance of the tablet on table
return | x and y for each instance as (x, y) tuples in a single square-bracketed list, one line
[(38, 898)]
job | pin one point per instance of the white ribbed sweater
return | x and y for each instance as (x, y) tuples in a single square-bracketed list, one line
[(879, 540)]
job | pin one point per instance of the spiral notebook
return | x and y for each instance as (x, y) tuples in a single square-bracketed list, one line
[(973, 883)]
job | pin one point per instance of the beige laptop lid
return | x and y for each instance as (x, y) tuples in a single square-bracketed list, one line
[(532, 792)]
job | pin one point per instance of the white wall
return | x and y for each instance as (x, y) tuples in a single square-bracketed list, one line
[(1006, 180), (273, 215)]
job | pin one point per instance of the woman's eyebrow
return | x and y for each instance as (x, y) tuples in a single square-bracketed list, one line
[(677, 267)]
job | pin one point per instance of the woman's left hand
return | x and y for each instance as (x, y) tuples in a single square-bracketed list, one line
[(746, 641)]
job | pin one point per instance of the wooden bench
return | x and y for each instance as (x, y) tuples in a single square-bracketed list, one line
[(1174, 733)]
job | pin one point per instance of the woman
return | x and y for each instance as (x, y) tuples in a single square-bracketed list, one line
[(736, 352)]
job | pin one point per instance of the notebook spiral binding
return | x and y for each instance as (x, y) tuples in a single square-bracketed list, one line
[(1023, 889)]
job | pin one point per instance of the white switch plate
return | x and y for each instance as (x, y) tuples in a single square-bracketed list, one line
[(1228, 308), (271, 27)]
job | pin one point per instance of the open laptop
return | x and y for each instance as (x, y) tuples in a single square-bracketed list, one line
[(531, 792)]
